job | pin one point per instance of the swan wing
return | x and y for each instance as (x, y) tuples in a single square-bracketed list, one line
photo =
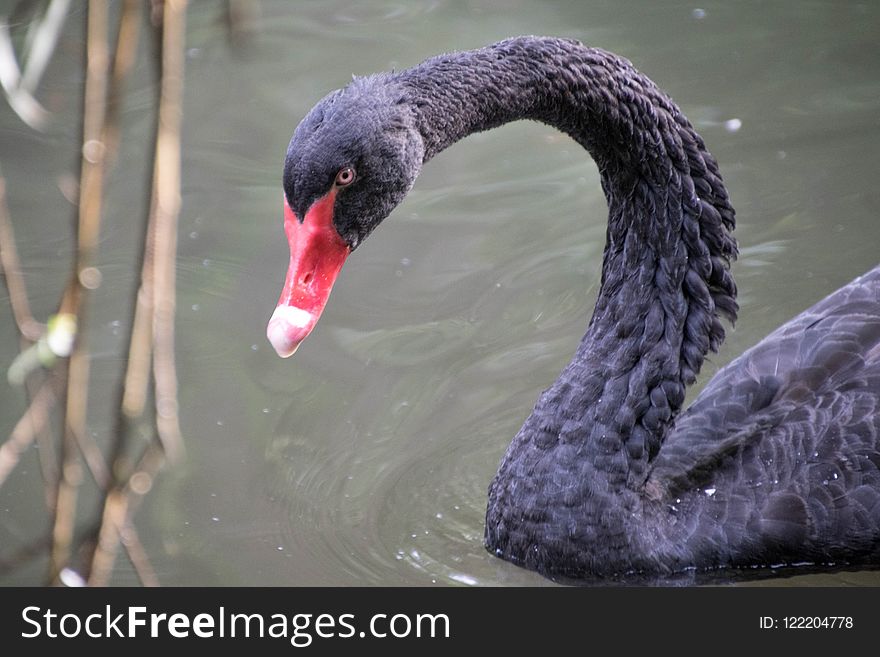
[(800, 408)]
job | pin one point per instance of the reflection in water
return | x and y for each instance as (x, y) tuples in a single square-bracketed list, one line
[(366, 458)]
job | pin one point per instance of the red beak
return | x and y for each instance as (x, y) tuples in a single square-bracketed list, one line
[(317, 253)]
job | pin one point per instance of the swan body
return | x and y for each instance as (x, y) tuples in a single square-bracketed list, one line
[(777, 461)]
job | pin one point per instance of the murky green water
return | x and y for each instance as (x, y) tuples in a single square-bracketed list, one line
[(365, 459)]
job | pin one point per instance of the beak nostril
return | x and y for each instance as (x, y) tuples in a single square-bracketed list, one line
[(307, 278)]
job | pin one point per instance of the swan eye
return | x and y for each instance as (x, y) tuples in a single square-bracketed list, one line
[(345, 177)]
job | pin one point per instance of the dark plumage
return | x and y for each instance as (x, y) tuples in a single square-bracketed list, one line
[(776, 462)]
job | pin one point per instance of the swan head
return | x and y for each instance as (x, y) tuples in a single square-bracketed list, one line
[(351, 161)]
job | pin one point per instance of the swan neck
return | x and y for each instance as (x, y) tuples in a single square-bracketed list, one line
[(664, 275), (594, 96), (665, 278), (571, 482)]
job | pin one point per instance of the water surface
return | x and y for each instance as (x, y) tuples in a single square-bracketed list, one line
[(365, 459)]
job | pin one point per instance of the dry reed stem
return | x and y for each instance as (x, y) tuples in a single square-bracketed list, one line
[(29, 328), (116, 526), (40, 43), (114, 517), (138, 556), (123, 59), (152, 337), (90, 200), (35, 418), (154, 315), (167, 184), (47, 457)]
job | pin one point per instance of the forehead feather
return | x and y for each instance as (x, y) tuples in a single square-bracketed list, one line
[(344, 122)]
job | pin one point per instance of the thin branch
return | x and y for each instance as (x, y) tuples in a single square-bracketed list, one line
[(138, 556), (30, 328), (90, 201), (93, 457), (20, 100), (140, 348), (45, 444), (137, 369), (116, 527), (113, 519), (43, 44), (167, 182), (136, 381), (123, 59), (241, 18), (37, 548), (35, 418), (25, 553), (40, 44)]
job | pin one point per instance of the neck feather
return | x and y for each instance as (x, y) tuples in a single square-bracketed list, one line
[(665, 277)]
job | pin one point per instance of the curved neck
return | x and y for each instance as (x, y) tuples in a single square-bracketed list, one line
[(665, 276)]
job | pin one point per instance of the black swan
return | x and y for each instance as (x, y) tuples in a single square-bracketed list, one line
[(776, 462)]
